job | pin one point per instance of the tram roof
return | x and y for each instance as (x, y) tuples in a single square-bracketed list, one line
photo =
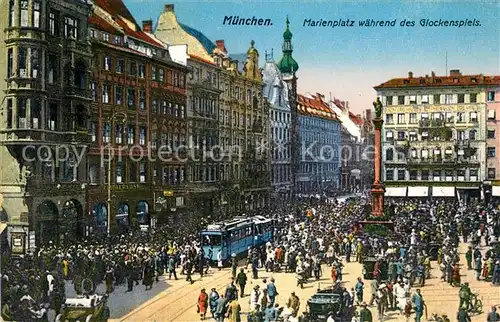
[(236, 222)]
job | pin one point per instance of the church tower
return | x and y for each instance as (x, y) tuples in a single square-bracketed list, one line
[(288, 67)]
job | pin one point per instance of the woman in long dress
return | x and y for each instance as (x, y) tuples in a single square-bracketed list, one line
[(203, 304), (219, 260)]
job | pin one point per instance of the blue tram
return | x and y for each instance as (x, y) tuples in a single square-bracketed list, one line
[(235, 236)]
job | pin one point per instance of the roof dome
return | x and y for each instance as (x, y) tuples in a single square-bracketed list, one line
[(287, 35), (288, 65), (252, 49)]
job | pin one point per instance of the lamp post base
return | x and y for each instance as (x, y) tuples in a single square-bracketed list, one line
[(377, 192)]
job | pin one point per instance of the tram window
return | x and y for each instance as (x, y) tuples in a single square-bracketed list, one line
[(212, 240), (249, 231)]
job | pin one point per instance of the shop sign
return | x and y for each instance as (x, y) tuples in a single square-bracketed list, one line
[(168, 193), (124, 187), (18, 242)]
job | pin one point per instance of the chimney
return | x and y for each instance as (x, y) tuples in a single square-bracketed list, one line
[(147, 26), (455, 72), (433, 74), (221, 46), (410, 74), (169, 8)]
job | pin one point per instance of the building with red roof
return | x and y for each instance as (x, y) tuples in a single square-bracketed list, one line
[(319, 137), (138, 106)]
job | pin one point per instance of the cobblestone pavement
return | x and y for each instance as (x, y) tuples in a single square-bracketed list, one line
[(177, 302)]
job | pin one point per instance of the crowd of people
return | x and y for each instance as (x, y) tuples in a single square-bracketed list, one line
[(314, 236)]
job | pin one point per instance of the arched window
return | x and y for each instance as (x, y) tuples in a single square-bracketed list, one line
[(142, 213), (389, 156)]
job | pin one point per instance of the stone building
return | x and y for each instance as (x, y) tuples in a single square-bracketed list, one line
[(276, 92), (43, 126), (139, 117), (203, 83), (435, 134), (492, 182), (244, 132), (320, 146)]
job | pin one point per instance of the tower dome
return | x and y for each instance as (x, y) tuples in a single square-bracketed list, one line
[(287, 64)]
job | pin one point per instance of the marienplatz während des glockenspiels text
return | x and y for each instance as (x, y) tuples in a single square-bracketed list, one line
[(308, 22)]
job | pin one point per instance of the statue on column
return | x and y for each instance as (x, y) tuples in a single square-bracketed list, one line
[(378, 108)]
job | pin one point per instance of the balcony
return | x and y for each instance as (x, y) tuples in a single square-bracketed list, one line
[(76, 92)]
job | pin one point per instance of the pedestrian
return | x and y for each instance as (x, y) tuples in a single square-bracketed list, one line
[(462, 315), (254, 298), (202, 304), (214, 296), (493, 316), (171, 268), (234, 311), (219, 260), (220, 310), (364, 314), (271, 291), (468, 258), (418, 304), (359, 290), (241, 280)]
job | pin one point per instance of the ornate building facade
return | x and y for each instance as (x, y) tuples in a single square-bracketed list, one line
[(138, 121), (43, 126), (203, 173), (435, 134), (276, 92), (244, 133)]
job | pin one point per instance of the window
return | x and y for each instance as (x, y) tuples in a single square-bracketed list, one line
[(176, 79), (491, 96), (119, 171), (10, 62), (120, 66), (118, 133), (142, 70), (164, 107), (473, 174), (401, 100), (161, 75), (425, 99), (70, 27), (412, 136), (106, 63), (131, 97), (389, 155), (154, 140), (401, 175), (93, 131), (36, 13), (93, 88), (153, 73), (142, 100), (132, 69), (401, 118), (9, 113), (449, 117), (54, 23), (460, 135), (22, 62), (182, 111), (491, 115), (491, 134), (24, 13), (53, 67), (130, 134), (461, 98), (437, 116), (413, 174), (448, 99), (36, 110), (52, 120), (460, 117), (491, 152), (425, 154), (413, 99), (21, 113), (491, 173), (118, 95), (142, 172), (388, 100), (132, 171), (473, 117), (12, 16), (105, 93), (425, 175), (436, 175), (473, 98), (401, 135), (35, 62), (389, 174), (437, 98), (389, 118), (105, 36), (118, 40), (448, 175), (389, 136), (142, 135), (154, 106), (106, 133), (461, 175)]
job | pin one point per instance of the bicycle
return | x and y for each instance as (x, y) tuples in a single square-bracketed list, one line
[(475, 305)]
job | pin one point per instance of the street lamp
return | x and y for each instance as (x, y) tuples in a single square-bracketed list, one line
[(111, 119)]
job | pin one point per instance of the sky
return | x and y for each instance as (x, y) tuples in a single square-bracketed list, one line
[(346, 62)]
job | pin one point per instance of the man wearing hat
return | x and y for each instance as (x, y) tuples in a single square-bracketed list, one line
[(254, 297), (294, 302)]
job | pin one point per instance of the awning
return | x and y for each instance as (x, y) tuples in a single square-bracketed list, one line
[(443, 191), (418, 191), (395, 192), (495, 191)]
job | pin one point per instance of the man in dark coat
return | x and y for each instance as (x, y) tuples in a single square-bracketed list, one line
[(241, 280)]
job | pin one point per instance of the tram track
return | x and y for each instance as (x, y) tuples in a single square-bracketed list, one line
[(178, 298)]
